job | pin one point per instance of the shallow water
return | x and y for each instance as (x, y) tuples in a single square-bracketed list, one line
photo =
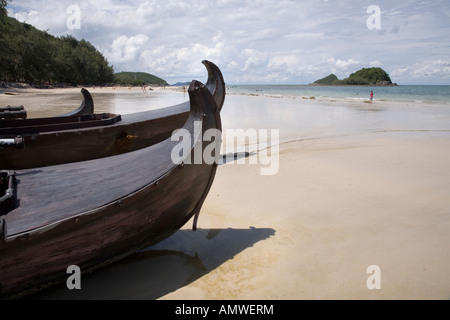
[(302, 119), (295, 116), (402, 94), (137, 101)]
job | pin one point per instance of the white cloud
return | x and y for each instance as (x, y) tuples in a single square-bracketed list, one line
[(253, 59), (305, 36), (343, 64), (376, 63), (287, 61), (31, 17), (255, 41), (124, 49), (434, 71)]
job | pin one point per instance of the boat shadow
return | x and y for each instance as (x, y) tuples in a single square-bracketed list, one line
[(159, 270)]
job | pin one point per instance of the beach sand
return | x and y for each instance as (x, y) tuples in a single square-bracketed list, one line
[(346, 196)]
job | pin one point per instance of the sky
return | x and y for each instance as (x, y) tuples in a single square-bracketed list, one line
[(257, 41)]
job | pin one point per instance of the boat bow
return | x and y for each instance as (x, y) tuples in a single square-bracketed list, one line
[(215, 83), (96, 212), (86, 107)]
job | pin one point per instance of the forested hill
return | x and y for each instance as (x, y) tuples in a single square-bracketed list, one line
[(138, 78), (34, 56), (327, 80), (365, 76)]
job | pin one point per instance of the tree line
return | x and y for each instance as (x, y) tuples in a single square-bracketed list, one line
[(33, 56), (3, 4)]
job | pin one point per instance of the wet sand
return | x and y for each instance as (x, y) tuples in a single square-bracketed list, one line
[(358, 185), (51, 102)]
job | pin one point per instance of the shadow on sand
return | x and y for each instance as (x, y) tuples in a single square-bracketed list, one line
[(156, 271)]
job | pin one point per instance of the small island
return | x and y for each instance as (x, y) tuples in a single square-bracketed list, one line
[(363, 77), (138, 78)]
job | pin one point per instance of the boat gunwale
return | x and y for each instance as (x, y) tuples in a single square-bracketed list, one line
[(195, 114), (54, 124)]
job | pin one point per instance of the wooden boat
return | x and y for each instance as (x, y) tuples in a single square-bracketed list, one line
[(92, 213), (76, 138), (19, 113), (86, 107)]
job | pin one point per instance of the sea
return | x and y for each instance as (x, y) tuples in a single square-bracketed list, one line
[(420, 94), (302, 112)]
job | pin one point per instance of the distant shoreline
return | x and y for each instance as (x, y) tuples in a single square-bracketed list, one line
[(12, 87), (322, 85), (353, 85)]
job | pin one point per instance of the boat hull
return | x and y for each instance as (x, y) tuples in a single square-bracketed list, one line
[(35, 256)]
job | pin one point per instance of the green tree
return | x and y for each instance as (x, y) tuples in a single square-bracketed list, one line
[(3, 14), (327, 80), (3, 4), (369, 76), (31, 55), (356, 80)]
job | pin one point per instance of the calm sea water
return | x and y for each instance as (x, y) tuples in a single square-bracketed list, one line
[(408, 94), (338, 110)]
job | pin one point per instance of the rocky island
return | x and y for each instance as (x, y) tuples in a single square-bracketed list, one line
[(365, 76)]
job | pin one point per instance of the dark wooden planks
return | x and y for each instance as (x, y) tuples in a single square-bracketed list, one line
[(84, 186)]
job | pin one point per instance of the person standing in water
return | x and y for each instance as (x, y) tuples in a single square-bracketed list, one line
[(371, 95)]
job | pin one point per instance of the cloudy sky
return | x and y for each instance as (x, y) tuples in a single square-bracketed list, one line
[(257, 41)]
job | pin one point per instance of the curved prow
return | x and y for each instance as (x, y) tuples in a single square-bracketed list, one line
[(203, 96), (215, 83), (86, 107)]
